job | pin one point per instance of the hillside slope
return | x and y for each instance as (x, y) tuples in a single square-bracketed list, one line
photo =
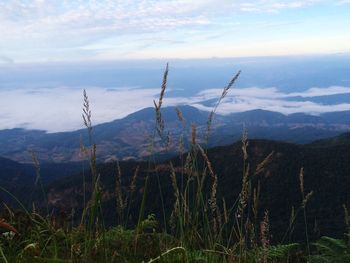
[(129, 138), (326, 173)]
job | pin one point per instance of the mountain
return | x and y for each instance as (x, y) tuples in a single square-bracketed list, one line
[(326, 174), (343, 139), (20, 179), (130, 138), (294, 128)]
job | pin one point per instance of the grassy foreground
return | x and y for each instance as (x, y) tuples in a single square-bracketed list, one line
[(201, 227)]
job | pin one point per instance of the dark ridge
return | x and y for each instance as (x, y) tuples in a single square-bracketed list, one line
[(326, 173)]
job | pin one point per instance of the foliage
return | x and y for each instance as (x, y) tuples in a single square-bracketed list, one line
[(199, 228), (331, 250)]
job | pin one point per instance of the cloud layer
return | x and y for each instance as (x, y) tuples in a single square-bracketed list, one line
[(59, 109), (41, 30)]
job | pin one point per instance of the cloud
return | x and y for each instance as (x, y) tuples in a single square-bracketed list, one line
[(343, 2), (6, 60), (315, 92), (240, 104), (64, 29), (274, 93), (106, 16), (272, 5), (59, 109), (272, 99), (91, 20)]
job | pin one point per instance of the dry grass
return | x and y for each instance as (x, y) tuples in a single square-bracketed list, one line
[(87, 114), (119, 192), (222, 97), (264, 235), (264, 164), (158, 105), (198, 223)]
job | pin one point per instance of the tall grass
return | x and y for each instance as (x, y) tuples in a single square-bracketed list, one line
[(201, 228)]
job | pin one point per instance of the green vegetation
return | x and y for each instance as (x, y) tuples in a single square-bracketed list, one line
[(199, 226)]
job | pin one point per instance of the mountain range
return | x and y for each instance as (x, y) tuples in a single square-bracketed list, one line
[(130, 138)]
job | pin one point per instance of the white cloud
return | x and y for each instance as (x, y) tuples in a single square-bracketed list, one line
[(90, 20), (60, 29), (315, 92), (343, 2), (272, 99), (6, 60), (247, 92), (272, 5), (59, 109), (274, 93), (240, 104)]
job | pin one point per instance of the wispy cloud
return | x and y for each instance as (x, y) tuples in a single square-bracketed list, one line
[(272, 5), (6, 60), (42, 18), (84, 21), (343, 2), (76, 29)]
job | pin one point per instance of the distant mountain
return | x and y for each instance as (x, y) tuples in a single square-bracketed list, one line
[(130, 137), (295, 128), (326, 173)]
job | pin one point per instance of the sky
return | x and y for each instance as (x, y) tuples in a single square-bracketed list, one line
[(294, 56), (80, 30)]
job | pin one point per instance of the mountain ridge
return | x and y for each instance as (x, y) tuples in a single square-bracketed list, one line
[(326, 173), (129, 137)]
